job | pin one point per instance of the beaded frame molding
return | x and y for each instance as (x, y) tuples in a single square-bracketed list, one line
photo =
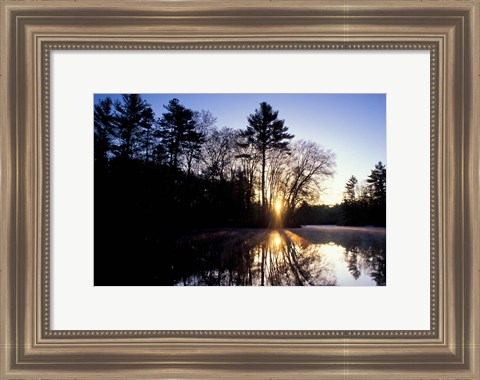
[(431, 47), (31, 30)]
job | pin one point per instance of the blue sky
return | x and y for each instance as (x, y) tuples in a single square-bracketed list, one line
[(351, 125)]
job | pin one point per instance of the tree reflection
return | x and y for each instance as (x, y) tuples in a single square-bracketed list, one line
[(369, 261), (284, 259), (274, 258)]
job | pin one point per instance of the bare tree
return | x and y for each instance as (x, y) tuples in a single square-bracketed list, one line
[(277, 173), (309, 166), (218, 152), (204, 121)]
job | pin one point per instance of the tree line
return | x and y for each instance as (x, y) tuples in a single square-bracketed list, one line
[(180, 169), (364, 203)]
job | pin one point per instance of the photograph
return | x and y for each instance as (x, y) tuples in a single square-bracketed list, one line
[(240, 189)]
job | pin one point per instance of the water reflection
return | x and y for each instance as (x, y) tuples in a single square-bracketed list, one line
[(308, 256)]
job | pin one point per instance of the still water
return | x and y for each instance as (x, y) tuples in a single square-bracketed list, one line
[(311, 255)]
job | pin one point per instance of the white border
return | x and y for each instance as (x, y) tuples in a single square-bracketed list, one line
[(402, 305)]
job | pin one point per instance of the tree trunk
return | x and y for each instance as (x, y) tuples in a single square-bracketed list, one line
[(148, 145), (262, 283), (189, 163), (264, 163)]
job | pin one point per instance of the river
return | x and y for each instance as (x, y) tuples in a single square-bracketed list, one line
[(311, 255)]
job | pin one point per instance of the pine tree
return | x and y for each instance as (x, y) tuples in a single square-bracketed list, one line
[(265, 131), (103, 124), (377, 183), (350, 190), (133, 124), (178, 130)]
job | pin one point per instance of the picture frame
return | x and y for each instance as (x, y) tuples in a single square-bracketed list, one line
[(29, 348)]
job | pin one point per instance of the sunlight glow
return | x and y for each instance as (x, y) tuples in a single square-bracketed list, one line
[(278, 206), (276, 240)]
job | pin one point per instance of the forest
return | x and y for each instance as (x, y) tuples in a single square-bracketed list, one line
[(180, 170)]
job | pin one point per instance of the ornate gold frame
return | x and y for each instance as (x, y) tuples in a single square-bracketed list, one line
[(32, 29)]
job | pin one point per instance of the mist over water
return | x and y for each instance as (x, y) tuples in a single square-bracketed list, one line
[(313, 255)]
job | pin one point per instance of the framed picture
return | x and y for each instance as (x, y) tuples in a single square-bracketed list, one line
[(223, 190)]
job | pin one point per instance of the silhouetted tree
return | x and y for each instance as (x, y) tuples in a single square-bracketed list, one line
[(178, 130), (159, 151), (247, 157), (377, 183), (366, 203), (351, 203), (218, 153), (203, 120), (308, 166), (133, 123), (350, 194), (103, 121), (265, 131)]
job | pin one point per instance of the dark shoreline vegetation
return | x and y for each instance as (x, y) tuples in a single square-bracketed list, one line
[(163, 177)]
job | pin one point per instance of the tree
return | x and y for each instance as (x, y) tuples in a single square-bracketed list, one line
[(377, 181), (352, 202), (365, 203), (350, 194), (203, 121), (308, 166), (178, 130), (218, 154), (277, 172), (133, 123), (265, 131), (247, 169), (103, 124)]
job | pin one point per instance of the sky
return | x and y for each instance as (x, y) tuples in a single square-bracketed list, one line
[(353, 126)]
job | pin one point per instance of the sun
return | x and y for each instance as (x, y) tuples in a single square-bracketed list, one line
[(278, 206)]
